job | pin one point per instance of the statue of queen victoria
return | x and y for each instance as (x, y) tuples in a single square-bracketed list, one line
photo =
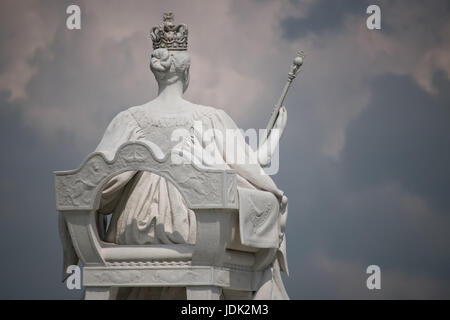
[(147, 209)]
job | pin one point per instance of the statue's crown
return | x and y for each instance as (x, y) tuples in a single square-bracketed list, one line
[(168, 35)]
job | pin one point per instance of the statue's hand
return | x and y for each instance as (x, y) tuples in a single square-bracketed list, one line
[(267, 149), (280, 124)]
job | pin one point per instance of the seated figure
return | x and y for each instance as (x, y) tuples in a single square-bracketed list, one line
[(147, 209)]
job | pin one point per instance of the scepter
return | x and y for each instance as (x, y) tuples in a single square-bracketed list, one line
[(295, 69)]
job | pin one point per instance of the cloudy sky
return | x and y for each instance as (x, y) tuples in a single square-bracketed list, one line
[(364, 160)]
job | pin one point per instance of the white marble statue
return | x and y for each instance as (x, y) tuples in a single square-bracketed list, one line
[(147, 209)]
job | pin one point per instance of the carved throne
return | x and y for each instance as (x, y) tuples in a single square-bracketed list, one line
[(205, 269)]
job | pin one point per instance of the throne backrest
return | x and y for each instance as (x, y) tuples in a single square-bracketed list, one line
[(202, 188)]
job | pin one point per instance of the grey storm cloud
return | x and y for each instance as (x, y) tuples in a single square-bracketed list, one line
[(364, 159)]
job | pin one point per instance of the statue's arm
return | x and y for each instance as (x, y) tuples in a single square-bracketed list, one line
[(268, 147), (123, 128), (250, 169), (112, 191)]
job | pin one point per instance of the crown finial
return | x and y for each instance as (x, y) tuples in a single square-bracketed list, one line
[(168, 35)]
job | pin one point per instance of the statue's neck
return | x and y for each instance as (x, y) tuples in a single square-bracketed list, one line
[(171, 93)]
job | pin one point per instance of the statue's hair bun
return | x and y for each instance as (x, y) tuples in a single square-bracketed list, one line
[(162, 59)]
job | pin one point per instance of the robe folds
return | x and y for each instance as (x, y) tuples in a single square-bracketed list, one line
[(148, 209)]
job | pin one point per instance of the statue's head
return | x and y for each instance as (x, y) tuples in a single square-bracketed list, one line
[(170, 66), (170, 60)]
